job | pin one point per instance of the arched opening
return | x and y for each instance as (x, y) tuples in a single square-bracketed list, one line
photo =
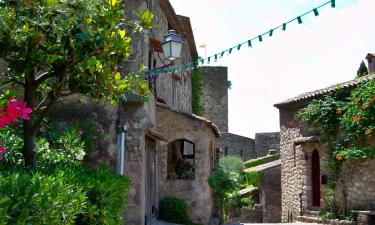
[(181, 156), (315, 178)]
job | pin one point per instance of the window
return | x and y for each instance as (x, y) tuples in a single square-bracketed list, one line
[(241, 153), (226, 151), (181, 159)]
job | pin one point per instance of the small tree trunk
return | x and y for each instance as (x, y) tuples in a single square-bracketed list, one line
[(29, 128)]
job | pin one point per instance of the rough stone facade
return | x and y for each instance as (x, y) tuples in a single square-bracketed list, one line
[(175, 125), (371, 62), (214, 99), (299, 145), (270, 190), (78, 108), (174, 90), (140, 119), (236, 145), (266, 141)]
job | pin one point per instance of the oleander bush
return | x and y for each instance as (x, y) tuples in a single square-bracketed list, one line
[(34, 198)]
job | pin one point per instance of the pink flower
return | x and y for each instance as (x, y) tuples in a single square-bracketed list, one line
[(18, 110), (5, 121)]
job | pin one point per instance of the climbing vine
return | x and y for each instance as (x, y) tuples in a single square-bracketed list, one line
[(196, 83), (346, 121)]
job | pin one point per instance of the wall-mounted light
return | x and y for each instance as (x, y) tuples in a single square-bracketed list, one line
[(172, 45)]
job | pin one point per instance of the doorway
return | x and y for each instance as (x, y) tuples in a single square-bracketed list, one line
[(315, 178), (150, 183)]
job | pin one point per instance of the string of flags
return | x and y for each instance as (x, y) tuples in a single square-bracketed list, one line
[(249, 43)]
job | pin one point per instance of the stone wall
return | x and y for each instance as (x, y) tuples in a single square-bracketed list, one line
[(297, 143), (175, 125), (360, 182), (291, 184), (236, 144), (214, 99), (266, 141), (252, 215), (175, 90), (108, 118), (271, 194)]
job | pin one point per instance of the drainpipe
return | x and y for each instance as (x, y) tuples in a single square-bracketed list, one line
[(121, 137)]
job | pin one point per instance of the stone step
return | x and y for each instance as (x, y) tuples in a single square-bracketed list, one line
[(312, 213), (309, 219)]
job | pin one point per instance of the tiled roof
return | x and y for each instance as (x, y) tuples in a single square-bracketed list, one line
[(325, 91), (266, 165)]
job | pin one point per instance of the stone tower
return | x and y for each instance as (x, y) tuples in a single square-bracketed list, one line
[(214, 99)]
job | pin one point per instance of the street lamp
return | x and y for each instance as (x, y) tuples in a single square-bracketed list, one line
[(172, 45)]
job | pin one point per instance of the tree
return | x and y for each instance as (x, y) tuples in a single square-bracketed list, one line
[(362, 70), (55, 48)]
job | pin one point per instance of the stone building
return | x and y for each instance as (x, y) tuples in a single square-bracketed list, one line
[(237, 145), (303, 171), (214, 98), (214, 103), (149, 141), (265, 142), (371, 62)]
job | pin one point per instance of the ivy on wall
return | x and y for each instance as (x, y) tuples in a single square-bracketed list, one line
[(346, 121), (196, 85)]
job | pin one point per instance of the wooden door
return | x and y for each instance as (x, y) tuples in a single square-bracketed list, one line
[(150, 184), (315, 178)]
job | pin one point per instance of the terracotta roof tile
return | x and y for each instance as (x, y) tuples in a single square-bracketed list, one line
[(325, 91)]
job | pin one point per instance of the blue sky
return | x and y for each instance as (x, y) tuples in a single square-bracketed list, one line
[(324, 50)]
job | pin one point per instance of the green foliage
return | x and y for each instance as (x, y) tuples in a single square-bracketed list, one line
[(231, 164), (11, 140), (27, 198), (327, 215), (362, 70), (55, 48), (184, 169), (106, 194), (251, 178), (261, 160), (347, 124), (196, 85), (224, 184), (173, 210), (68, 149)]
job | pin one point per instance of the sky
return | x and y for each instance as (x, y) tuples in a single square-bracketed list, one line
[(320, 52)]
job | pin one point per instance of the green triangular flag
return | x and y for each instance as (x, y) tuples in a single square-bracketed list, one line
[(271, 32), (316, 13), (299, 20)]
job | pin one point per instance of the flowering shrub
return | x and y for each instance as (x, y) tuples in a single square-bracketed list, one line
[(346, 122), (11, 110)]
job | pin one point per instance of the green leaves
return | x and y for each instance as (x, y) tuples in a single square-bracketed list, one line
[(347, 124), (146, 19)]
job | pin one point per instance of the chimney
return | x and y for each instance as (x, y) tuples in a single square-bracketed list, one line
[(371, 62)]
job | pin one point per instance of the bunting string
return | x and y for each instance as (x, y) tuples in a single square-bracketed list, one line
[(249, 43)]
